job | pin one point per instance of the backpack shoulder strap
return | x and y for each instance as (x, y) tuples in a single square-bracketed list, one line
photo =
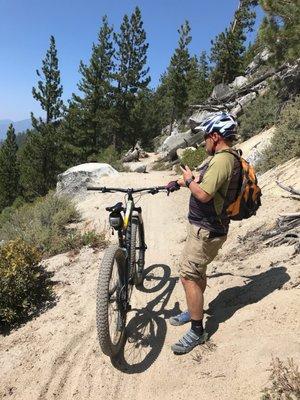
[(230, 151)]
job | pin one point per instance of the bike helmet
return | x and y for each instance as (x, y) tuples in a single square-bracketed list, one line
[(222, 123)]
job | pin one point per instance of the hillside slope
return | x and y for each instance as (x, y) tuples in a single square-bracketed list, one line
[(252, 308)]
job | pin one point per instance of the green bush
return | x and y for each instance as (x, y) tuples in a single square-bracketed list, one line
[(261, 114), (193, 158), (285, 143), (24, 285)]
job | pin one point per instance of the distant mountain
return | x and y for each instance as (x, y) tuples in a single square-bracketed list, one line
[(19, 126)]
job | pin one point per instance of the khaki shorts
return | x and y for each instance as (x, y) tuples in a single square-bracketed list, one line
[(198, 252)]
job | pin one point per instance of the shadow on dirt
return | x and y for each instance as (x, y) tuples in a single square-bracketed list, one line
[(231, 300), (146, 331)]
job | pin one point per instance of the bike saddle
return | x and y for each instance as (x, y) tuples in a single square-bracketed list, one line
[(117, 207)]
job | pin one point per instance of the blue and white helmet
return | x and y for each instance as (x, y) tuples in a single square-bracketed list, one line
[(222, 123)]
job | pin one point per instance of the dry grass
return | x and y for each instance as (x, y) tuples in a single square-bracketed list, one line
[(285, 379), (207, 347)]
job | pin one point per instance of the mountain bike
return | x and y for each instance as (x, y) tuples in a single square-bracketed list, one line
[(122, 268)]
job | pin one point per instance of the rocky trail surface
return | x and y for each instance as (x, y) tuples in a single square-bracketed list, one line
[(252, 311)]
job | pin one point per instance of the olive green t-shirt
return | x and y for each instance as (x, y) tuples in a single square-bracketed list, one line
[(217, 177)]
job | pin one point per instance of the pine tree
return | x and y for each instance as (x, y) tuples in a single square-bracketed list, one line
[(38, 160), (38, 163), (163, 101), (199, 85), (178, 73), (228, 47), (91, 113), (145, 120), (9, 170), (131, 75), (280, 29), (48, 92)]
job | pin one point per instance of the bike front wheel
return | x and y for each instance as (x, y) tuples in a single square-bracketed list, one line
[(111, 301)]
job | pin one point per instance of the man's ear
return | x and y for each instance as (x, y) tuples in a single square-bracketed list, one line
[(215, 136)]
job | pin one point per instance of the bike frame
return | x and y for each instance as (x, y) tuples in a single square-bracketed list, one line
[(130, 212)]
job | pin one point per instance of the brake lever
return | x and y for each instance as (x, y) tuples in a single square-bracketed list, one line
[(153, 191)]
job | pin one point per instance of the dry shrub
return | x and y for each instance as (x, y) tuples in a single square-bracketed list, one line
[(24, 284), (161, 166), (46, 225), (285, 143), (42, 223), (261, 114), (285, 379)]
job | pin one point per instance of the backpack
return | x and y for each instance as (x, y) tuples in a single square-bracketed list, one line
[(248, 196)]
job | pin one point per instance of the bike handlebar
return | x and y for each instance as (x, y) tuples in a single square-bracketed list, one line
[(152, 190)]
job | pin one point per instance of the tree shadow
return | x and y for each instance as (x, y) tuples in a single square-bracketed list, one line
[(231, 300), (146, 331)]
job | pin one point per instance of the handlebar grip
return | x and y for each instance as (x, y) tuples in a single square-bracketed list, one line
[(102, 189)]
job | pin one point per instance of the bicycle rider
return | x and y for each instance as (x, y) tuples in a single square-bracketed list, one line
[(207, 222)]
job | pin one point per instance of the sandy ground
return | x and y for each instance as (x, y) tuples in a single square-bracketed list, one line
[(252, 311)]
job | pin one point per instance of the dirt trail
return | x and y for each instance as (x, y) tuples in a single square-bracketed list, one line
[(252, 305)]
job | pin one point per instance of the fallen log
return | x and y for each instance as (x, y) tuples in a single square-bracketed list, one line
[(287, 231), (134, 153), (181, 142), (131, 156), (249, 87), (289, 189)]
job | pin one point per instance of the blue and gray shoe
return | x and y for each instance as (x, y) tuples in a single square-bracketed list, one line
[(180, 319), (188, 341)]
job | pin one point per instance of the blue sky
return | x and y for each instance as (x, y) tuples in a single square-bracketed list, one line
[(26, 25)]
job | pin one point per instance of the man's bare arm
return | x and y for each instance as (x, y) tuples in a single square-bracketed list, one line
[(194, 187)]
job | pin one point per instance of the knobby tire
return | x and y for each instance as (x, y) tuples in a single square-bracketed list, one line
[(137, 256), (113, 254)]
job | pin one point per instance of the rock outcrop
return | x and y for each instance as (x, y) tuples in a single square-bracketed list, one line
[(233, 98), (138, 167), (75, 180)]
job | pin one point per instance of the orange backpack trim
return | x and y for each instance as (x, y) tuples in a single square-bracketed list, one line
[(248, 198)]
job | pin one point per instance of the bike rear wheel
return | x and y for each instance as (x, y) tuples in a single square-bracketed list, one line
[(137, 251), (111, 301)]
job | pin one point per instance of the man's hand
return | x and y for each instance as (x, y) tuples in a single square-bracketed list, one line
[(187, 173), (172, 186)]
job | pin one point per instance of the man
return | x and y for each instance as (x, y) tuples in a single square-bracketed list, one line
[(208, 223)]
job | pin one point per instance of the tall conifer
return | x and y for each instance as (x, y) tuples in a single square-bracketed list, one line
[(49, 90), (178, 73), (199, 83), (9, 169), (38, 158), (131, 74), (280, 30), (228, 47), (93, 122)]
